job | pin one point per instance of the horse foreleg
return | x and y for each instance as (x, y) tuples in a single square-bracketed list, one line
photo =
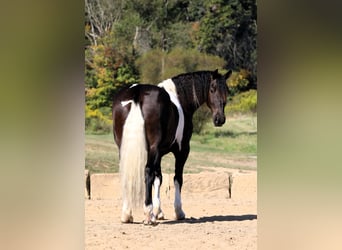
[(178, 181)]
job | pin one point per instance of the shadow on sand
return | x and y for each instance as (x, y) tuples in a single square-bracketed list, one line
[(213, 219)]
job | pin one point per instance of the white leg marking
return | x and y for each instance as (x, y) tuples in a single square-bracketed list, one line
[(156, 200), (148, 209), (178, 203), (150, 218)]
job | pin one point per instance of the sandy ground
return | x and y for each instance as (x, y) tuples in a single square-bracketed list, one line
[(213, 221)]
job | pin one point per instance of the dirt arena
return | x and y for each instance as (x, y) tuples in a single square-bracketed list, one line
[(213, 220)]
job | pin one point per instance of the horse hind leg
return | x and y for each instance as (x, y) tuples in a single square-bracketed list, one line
[(153, 177), (158, 213), (178, 181), (148, 206), (153, 210), (179, 214)]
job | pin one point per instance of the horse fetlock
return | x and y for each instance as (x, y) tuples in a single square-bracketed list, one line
[(179, 214), (150, 219), (160, 215), (148, 209), (156, 208), (126, 217)]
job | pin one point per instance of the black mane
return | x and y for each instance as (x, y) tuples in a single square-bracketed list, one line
[(192, 88)]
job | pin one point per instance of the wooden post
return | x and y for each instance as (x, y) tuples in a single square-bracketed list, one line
[(230, 183)]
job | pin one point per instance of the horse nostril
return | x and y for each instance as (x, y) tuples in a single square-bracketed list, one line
[(216, 121), (219, 121)]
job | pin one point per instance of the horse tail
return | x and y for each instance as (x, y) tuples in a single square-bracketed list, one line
[(133, 157)]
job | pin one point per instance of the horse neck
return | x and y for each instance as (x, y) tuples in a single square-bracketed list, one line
[(192, 90)]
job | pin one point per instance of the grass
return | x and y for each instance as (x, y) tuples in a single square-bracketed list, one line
[(234, 145), (101, 154)]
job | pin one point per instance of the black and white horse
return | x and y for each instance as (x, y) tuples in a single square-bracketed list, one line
[(151, 121)]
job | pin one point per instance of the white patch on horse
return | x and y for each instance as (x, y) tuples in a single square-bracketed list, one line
[(150, 218), (124, 103), (156, 198), (178, 202), (170, 88)]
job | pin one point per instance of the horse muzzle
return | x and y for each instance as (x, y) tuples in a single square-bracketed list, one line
[(219, 120)]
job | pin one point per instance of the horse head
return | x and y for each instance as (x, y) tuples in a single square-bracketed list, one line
[(217, 96)]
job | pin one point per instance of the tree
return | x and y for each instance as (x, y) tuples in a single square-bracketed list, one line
[(228, 29), (177, 61), (99, 18), (109, 61), (106, 71)]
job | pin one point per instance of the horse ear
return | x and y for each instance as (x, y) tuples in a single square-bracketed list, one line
[(216, 74), (227, 75)]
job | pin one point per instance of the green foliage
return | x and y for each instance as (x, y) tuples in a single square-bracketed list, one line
[(238, 81), (200, 119), (150, 66), (186, 60), (179, 35), (178, 61), (228, 29), (106, 71), (98, 121), (244, 102)]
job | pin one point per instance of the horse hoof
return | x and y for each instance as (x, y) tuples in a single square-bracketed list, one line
[(180, 215), (150, 220), (150, 223), (127, 218), (160, 216)]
